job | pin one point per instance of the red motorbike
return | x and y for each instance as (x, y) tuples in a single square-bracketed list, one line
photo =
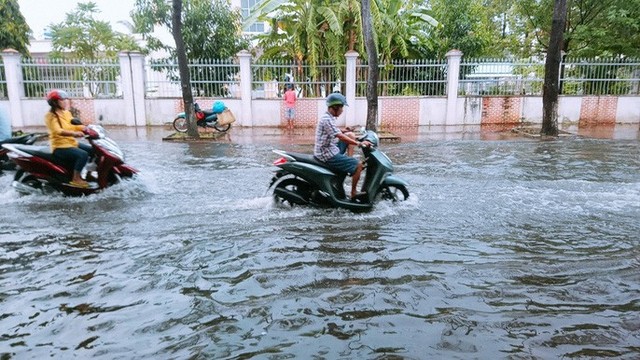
[(26, 139), (204, 118), (38, 172)]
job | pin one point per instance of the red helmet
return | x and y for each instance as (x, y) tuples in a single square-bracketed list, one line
[(55, 95)]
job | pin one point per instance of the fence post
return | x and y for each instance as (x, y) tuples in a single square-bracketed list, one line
[(453, 77), (246, 118), (350, 83), (15, 91), (133, 87)]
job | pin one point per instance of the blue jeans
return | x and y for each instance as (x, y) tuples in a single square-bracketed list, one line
[(73, 156), (343, 147)]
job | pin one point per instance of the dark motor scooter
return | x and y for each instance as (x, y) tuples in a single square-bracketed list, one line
[(38, 172), (303, 180)]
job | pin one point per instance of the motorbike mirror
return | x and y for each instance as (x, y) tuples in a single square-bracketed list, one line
[(76, 121)]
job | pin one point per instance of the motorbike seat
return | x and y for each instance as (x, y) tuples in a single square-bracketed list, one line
[(210, 115), (41, 151), (310, 159), (16, 140)]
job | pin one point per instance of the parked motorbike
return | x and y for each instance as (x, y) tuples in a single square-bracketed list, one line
[(205, 119), (26, 139), (303, 180), (38, 172)]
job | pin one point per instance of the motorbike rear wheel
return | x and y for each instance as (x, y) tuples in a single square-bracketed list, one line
[(394, 193), (294, 185), (221, 128), (28, 183), (6, 164), (180, 124)]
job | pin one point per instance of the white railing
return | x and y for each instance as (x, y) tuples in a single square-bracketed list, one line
[(406, 78), (209, 78), (271, 77), (601, 77), (501, 77), (96, 79), (526, 77), (221, 78)]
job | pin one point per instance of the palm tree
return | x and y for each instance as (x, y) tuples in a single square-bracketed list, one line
[(308, 31), (318, 30), (404, 23), (324, 30)]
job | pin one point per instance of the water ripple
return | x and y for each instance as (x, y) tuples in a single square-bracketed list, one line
[(520, 249)]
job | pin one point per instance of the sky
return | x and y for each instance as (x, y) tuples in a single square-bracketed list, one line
[(40, 13)]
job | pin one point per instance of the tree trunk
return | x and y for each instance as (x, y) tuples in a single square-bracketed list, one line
[(551, 85), (185, 81), (372, 58)]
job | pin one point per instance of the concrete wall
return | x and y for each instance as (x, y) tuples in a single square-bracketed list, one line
[(393, 112), (628, 110)]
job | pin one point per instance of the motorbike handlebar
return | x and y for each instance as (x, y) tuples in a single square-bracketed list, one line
[(90, 133), (368, 145)]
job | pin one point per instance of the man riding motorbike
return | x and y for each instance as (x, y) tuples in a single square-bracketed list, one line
[(326, 147)]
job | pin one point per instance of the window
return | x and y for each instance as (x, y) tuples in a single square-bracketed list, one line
[(246, 6)]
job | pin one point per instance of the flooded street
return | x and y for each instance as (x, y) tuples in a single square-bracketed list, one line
[(506, 248)]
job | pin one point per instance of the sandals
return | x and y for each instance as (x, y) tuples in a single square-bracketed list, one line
[(82, 185), (359, 195)]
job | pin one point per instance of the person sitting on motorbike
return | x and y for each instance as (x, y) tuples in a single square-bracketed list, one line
[(62, 134), (326, 144)]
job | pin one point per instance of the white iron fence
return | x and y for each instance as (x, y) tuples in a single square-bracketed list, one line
[(96, 79), (221, 78), (270, 78), (603, 77), (501, 77), (526, 77), (209, 78), (406, 78)]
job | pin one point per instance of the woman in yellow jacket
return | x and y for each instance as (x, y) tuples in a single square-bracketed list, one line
[(62, 134)]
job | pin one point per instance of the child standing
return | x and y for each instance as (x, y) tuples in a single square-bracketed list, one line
[(290, 106)]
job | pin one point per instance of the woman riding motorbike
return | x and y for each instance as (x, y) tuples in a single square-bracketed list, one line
[(62, 134)]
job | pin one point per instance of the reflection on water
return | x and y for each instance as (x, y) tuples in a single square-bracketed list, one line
[(516, 247)]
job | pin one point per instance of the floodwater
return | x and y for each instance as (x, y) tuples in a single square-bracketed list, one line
[(507, 248)]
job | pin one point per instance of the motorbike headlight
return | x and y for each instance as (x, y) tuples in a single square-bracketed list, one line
[(112, 148)]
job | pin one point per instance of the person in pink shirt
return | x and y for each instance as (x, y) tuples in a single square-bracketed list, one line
[(290, 106)]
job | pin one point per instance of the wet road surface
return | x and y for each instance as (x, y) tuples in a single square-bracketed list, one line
[(507, 247)]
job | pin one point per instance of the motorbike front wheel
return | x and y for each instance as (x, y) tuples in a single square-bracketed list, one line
[(394, 193), (180, 124)]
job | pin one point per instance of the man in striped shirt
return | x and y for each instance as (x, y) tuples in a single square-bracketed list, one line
[(327, 136)]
